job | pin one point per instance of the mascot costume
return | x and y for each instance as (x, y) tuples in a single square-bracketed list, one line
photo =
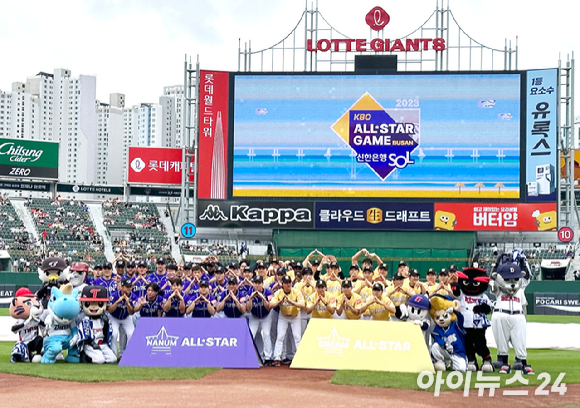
[(63, 308), (93, 338), (475, 306), (508, 321), (53, 273), (448, 335), (77, 275), (417, 311), (25, 308)]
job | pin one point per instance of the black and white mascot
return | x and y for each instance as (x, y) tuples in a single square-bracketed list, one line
[(475, 306)]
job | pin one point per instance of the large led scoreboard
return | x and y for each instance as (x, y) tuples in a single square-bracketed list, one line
[(426, 150)]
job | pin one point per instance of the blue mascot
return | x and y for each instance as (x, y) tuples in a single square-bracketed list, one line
[(63, 308)]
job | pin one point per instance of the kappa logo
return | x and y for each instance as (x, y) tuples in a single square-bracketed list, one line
[(161, 342), (213, 213), (333, 343)]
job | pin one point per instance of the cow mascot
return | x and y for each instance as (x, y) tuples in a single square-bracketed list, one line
[(475, 306), (26, 309)]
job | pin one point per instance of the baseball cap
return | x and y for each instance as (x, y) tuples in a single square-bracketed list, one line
[(414, 272), (131, 264), (443, 271), (142, 263), (98, 266), (297, 265), (453, 268), (353, 267), (320, 284), (203, 283), (333, 264), (161, 260), (403, 263), (315, 262), (274, 261), (220, 269), (419, 302), (120, 264), (286, 279), (247, 269), (384, 266), (346, 284), (127, 283), (233, 265), (79, 266), (367, 269), (307, 271), (398, 276), (53, 263), (430, 271), (94, 294), (172, 267), (187, 266), (232, 280), (280, 271), (25, 292), (107, 265), (509, 270), (378, 286), (258, 279)]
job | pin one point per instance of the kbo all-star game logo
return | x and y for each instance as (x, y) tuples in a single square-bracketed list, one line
[(383, 139)]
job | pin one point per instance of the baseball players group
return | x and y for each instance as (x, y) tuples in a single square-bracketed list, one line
[(278, 299)]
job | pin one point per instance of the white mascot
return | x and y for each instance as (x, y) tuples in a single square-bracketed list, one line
[(508, 321), (77, 275)]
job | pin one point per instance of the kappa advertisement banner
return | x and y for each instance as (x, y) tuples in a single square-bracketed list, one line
[(28, 159), (256, 214), (496, 217), (374, 215), (213, 134), (156, 165), (338, 344), (168, 342)]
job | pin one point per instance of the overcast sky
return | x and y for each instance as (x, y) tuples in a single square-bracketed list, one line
[(136, 47)]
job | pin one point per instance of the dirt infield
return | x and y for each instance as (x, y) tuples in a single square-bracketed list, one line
[(267, 387)]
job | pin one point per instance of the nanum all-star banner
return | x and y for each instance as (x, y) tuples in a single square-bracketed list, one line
[(28, 159), (541, 145), (213, 134), (496, 217), (344, 135)]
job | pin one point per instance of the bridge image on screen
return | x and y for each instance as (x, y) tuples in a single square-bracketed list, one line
[(419, 135)]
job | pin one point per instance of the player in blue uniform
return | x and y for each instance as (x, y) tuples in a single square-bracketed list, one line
[(259, 307), (201, 304), (160, 274), (109, 280), (150, 305), (174, 305), (231, 301), (121, 308)]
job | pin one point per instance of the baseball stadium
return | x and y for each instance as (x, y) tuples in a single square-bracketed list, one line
[(349, 222)]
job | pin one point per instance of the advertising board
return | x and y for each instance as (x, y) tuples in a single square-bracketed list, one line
[(155, 165), (28, 159)]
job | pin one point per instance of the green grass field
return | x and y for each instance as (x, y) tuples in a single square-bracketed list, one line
[(95, 373), (552, 362)]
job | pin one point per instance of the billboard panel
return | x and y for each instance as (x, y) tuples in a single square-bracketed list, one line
[(254, 214), (541, 125), (496, 217), (405, 135), (213, 134), (155, 165), (28, 159), (374, 215)]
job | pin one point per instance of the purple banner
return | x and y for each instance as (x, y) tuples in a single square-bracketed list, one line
[(374, 215), (178, 342)]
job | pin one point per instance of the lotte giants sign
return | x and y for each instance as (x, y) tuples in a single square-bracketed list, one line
[(156, 165), (377, 19)]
